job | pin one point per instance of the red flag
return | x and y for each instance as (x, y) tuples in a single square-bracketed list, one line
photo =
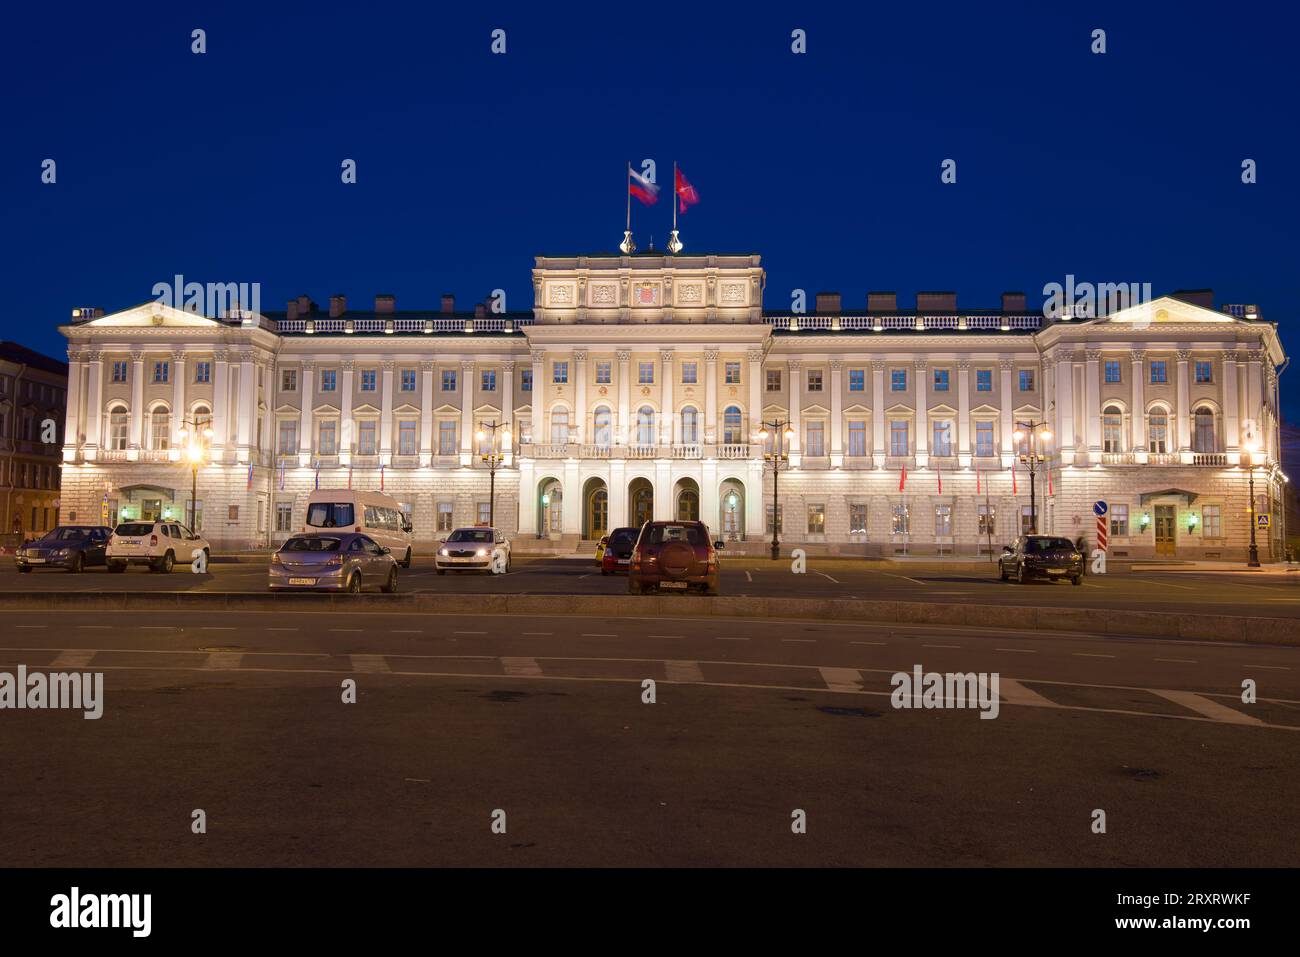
[(977, 481), (349, 476), (686, 193), (1014, 489), (1049, 483), (381, 478), (939, 476), (902, 479)]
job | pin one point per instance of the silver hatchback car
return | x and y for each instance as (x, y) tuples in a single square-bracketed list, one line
[(345, 562)]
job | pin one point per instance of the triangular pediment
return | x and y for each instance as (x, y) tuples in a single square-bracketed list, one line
[(154, 314), (1166, 309)]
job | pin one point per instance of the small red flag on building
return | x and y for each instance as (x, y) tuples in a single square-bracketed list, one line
[(1049, 484), (977, 481), (686, 193), (1014, 489), (902, 479), (939, 476), (349, 476)]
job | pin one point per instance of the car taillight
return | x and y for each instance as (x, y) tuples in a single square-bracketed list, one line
[(335, 560), (153, 540)]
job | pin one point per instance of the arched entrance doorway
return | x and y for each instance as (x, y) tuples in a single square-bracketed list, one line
[(595, 509), (640, 502), (731, 510), (550, 508), (686, 495)]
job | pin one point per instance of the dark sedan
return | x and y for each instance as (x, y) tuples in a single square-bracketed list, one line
[(71, 547), (1041, 556), (347, 562), (618, 551)]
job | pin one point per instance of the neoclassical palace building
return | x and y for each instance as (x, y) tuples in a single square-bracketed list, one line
[(638, 387)]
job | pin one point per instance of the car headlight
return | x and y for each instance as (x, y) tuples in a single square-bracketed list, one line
[(61, 553), (481, 552), (443, 552)]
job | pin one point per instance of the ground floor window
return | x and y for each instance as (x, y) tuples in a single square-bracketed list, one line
[(780, 520), (1026, 520), (901, 521), (1119, 519), (484, 513), (444, 517), (1211, 521), (943, 521), (817, 519), (986, 516), (857, 518), (284, 516)]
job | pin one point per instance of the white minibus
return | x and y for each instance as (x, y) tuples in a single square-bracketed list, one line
[(369, 513)]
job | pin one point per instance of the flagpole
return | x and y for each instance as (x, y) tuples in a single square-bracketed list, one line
[(674, 195), (627, 177), (988, 519)]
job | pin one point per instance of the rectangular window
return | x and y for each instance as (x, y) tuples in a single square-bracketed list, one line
[(857, 380), (1211, 521), (560, 372), (984, 438), (940, 380), (898, 438), (1112, 370), (814, 380), (366, 438), (645, 373), (817, 519), (986, 516), (603, 373), (448, 380), (328, 379), (368, 379), (288, 437), (1026, 380), (1119, 519), (526, 380), (327, 436), (1159, 372), (780, 519), (484, 513), (161, 370), (488, 380), (816, 444), (202, 372), (942, 447), (900, 520), (773, 380), (897, 380), (119, 371), (983, 380), (408, 380), (690, 373), (732, 373), (943, 521), (1026, 520), (1204, 372), (446, 438), (288, 380), (858, 438), (445, 523), (284, 516), (857, 518)]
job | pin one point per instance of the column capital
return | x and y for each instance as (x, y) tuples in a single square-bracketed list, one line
[(877, 365), (178, 355), (837, 365), (1139, 355), (579, 355), (508, 366), (347, 365), (1006, 365), (666, 355), (963, 364), (1230, 355), (137, 355), (426, 365), (466, 365), (94, 355), (222, 355), (1183, 354), (795, 365), (308, 363), (753, 355), (623, 355), (538, 354), (74, 355), (1092, 355), (388, 365), (920, 365), (246, 355)]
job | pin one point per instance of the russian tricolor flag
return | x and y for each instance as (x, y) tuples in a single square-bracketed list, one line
[(642, 188)]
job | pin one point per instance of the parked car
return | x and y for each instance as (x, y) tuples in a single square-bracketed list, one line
[(674, 556), (73, 547), (346, 562), (365, 513), (473, 549), (1041, 556), (600, 549), (618, 551), (159, 545)]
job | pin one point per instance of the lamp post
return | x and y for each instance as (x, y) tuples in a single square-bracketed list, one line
[(782, 435), (194, 438), (1037, 433), (1252, 560), (493, 458)]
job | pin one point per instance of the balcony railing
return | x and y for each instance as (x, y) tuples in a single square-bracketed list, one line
[(409, 461), (1118, 458), (1209, 458), (734, 451), (596, 451), (690, 450), (1162, 458), (155, 455), (365, 461), (643, 451)]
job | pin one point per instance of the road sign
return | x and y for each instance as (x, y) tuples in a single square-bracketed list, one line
[(1100, 508), (1261, 520)]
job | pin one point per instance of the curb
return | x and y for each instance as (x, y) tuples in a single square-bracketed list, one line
[(1225, 628)]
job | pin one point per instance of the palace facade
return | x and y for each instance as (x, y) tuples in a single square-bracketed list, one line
[(639, 387)]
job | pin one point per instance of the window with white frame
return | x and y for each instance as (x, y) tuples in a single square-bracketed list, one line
[(899, 443), (1158, 430), (645, 426), (484, 513), (984, 439), (900, 520), (943, 521), (815, 444), (445, 517), (118, 423), (857, 438), (603, 375), (817, 518), (560, 427), (773, 380), (366, 438), (690, 425), (731, 371), (1211, 521), (986, 520), (1112, 429), (942, 434), (288, 380), (369, 380), (1119, 519), (327, 442), (160, 422), (288, 442), (857, 518), (780, 520), (604, 432), (645, 373), (447, 437), (284, 516), (690, 373), (408, 442), (732, 432), (1203, 437), (560, 372), (814, 380), (1026, 520)]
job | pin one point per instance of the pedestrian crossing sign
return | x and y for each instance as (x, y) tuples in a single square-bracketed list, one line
[(1261, 520)]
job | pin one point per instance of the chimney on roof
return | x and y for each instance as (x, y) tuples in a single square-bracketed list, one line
[(1197, 297), (291, 309), (385, 305), (338, 306), (304, 305), (480, 310), (828, 302), (882, 302), (936, 302), (1013, 302), (448, 302)]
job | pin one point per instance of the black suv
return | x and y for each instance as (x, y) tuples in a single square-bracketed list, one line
[(1041, 556)]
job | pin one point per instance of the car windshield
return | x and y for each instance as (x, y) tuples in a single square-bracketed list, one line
[(67, 535), (623, 536), (471, 535), (329, 514), (1036, 545), (661, 534), (134, 528), (310, 543)]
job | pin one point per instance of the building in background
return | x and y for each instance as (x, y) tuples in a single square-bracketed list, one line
[(637, 388), (32, 391)]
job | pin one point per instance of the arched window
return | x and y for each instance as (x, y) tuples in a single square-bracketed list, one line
[(119, 422), (1158, 430), (160, 428), (560, 427), (1112, 429), (604, 430), (690, 426), (1203, 439), (645, 426), (732, 432)]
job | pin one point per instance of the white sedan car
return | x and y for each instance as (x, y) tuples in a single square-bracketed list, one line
[(160, 545), (478, 549)]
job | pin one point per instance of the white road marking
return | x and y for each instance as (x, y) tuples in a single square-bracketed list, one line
[(728, 638), (223, 628), (160, 627), (868, 642), (841, 679), (683, 671), (1013, 692), (406, 631), (1019, 651), (1089, 654), (595, 634), (1269, 667), (351, 630), (801, 641), (467, 632), (541, 634), (1090, 585), (1208, 708), (282, 629), (748, 577), (370, 664), (31, 626), (96, 627), (72, 660), (223, 661), (1177, 661), (523, 667), (665, 636), (904, 577), (1147, 581), (941, 646), (824, 575)]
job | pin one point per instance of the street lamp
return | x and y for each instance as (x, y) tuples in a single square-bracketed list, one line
[(194, 439), (493, 458), (782, 435), (1252, 447), (1037, 433)]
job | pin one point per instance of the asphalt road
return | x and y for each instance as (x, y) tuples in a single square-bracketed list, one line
[(1270, 595), (239, 713)]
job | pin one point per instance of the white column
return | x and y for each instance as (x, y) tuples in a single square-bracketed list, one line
[(136, 435), (95, 403), (1138, 415), (1065, 425), (305, 384), (796, 420), (1254, 405), (617, 493), (624, 395), (878, 413), (710, 511), (579, 432), (1092, 402), (663, 487), (1231, 410), (539, 397), (72, 413), (386, 414), (347, 428), (247, 394), (963, 413), (426, 414), (668, 417), (837, 413), (179, 411), (711, 435), (1007, 403), (467, 415), (1184, 411), (755, 378), (508, 409), (921, 389)]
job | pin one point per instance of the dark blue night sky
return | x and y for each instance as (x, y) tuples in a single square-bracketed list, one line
[(1124, 167)]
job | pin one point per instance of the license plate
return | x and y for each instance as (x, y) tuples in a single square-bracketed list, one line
[(302, 581), (35, 561), (672, 585), (1056, 571), (624, 561)]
